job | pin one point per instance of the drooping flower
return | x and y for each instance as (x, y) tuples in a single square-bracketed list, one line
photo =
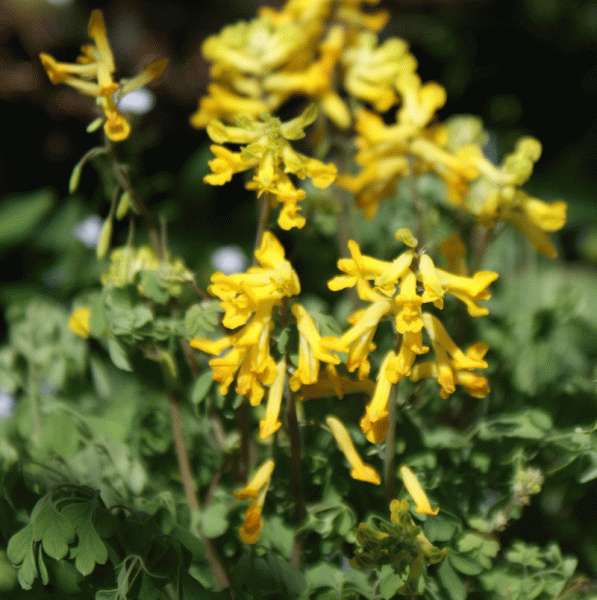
[(248, 300), (451, 365), (270, 424), (92, 76), (359, 470), (310, 351), (256, 490), (417, 493), (267, 149)]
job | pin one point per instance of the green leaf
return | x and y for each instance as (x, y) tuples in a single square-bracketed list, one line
[(201, 319), (201, 386), (52, 529), (21, 553), (20, 214), (151, 287), (469, 541), (214, 520), (465, 564), (89, 549), (118, 355), (390, 582), (451, 581)]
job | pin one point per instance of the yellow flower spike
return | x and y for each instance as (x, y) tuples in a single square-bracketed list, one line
[(78, 322), (417, 493), (268, 150), (310, 351), (92, 76), (359, 470), (258, 481), (270, 423)]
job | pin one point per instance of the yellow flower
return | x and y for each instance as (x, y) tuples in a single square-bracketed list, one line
[(330, 383), (97, 63), (417, 493), (266, 147), (375, 422), (371, 69), (270, 423), (248, 300), (359, 470), (78, 322), (316, 80), (256, 489), (310, 351), (452, 366), (258, 481)]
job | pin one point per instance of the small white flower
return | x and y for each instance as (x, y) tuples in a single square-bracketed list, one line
[(88, 230), (229, 259), (138, 102)]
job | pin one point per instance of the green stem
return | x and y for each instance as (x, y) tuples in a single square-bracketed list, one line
[(297, 479), (33, 404), (263, 211), (389, 462), (184, 467)]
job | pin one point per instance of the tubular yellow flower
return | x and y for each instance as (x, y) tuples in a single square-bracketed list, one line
[(259, 480), (96, 62), (256, 490), (270, 423), (310, 351), (375, 421), (452, 366), (78, 322), (417, 493), (359, 470)]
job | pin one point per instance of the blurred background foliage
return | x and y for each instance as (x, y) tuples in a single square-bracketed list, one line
[(523, 66)]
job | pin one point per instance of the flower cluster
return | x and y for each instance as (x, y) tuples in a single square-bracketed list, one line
[(266, 148), (257, 66), (397, 290), (92, 75), (248, 300)]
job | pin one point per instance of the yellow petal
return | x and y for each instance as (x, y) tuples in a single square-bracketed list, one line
[(359, 470), (416, 492), (257, 482)]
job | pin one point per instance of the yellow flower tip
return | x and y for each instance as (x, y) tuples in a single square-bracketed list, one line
[(258, 481), (405, 236), (413, 487), (365, 473), (78, 322), (55, 73), (96, 25), (250, 533), (375, 429)]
